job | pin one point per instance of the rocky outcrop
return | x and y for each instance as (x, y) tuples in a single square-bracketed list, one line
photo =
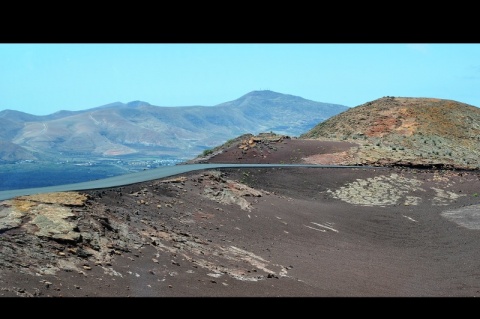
[(46, 234), (262, 140), (227, 191)]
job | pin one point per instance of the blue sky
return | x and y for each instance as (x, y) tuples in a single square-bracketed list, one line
[(41, 78)]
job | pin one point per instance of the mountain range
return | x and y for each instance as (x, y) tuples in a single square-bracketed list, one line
[(140, 129)]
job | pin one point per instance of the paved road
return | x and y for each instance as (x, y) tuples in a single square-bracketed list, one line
[(146, 175)]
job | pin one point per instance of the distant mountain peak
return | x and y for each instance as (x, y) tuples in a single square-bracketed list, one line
[(17, 116), (138, 103), (266, 94)]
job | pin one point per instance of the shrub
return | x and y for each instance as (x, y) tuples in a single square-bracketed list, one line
[(207, 152)]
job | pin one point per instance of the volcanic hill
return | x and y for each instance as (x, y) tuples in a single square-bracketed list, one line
[(408, 132)]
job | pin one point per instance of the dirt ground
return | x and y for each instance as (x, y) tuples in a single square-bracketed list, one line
[(276, 232)]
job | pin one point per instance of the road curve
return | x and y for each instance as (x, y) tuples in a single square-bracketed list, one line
[(147, 175)]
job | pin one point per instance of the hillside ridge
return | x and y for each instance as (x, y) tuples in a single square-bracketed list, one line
[(407, 131)]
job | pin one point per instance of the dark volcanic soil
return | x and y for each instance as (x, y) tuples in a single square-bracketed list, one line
[(288, 151), (276, 232)]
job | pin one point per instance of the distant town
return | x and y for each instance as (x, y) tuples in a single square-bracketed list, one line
[(132, 164), (32, 173)]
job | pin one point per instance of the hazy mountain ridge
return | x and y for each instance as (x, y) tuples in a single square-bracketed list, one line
[(144, 129), (408, 131)]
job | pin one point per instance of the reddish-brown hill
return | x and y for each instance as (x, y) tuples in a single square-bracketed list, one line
[(407, 131)]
